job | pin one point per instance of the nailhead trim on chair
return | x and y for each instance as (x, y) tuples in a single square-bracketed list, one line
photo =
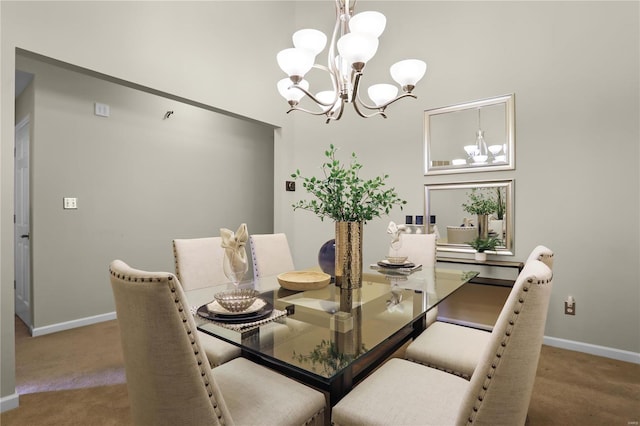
[(175, 260), (192, 339), (199, 361), (503, 344), (253, 258)]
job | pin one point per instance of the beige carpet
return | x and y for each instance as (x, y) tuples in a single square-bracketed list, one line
[(76, 377)]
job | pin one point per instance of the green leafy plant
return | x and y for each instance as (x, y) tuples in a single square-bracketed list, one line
[(480, 202), (342, 195), (484, 244)]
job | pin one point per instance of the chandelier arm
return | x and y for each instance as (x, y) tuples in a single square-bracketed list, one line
[(355, 83), (404, 95), (332, 116), (321, 67), (341, 110), (334, 83), (361, 114), (357, 100), (308, 111), (382, 107), (331, 53), (313, 98)]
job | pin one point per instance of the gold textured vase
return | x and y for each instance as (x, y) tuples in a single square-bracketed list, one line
[(349, 255), (483, 226)]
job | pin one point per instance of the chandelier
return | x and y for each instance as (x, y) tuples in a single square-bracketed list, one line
[(355, 38)]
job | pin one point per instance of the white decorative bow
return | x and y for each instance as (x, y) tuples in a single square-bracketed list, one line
[(395, 231), (233, 244)]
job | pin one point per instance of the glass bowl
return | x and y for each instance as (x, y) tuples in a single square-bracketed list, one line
[(237, 300), (396, 260)]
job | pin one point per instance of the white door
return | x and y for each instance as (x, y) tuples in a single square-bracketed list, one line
[(22, 232)]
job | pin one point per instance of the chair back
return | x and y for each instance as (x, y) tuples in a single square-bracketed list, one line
[(199, 262), (542, 254), (271, 254), (461, 234), (501, 385), (419, 249), (168, 377)]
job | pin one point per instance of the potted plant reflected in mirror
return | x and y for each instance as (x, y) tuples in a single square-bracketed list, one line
[(481, 245), (482, 204)]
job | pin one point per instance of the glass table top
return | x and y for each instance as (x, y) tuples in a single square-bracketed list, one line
[(326, 330)]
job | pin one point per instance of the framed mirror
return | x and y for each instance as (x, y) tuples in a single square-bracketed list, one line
[(475, 136), (448, 206)]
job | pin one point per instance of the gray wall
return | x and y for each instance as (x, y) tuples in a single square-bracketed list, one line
[(572, 65), (141, 180)]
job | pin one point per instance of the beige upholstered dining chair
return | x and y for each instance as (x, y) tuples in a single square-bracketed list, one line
[(168, 378), (402, 392), (421, 250), (542, 254), (198, 263), (271, 254), (457, 348)]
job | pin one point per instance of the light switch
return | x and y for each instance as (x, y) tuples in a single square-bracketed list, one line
[(70, 203), (102, 110)]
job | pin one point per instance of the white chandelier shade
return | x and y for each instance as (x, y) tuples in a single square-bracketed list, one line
[(354, 42), (408, 72), (296, 62), (291, 94), (370, 23), (382, 93), (357, 48), (313, 40)]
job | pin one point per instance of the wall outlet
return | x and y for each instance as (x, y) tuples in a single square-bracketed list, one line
[(569, 309)]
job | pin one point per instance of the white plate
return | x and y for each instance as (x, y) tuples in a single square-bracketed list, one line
[(385, 261), (216, 308)]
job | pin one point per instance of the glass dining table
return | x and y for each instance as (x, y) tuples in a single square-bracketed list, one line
[(331, 338)]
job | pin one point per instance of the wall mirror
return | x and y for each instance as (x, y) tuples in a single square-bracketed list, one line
[(456, 227), (475, 136)]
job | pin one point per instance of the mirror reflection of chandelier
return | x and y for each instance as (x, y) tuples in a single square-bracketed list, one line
[(355, 37), (479, 153)]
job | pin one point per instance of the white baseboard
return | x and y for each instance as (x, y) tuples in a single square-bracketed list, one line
[(9, 402), (68, 325), (588, 348), (571, 345)]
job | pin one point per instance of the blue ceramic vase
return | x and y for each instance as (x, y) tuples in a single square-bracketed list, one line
[(327, 258)]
